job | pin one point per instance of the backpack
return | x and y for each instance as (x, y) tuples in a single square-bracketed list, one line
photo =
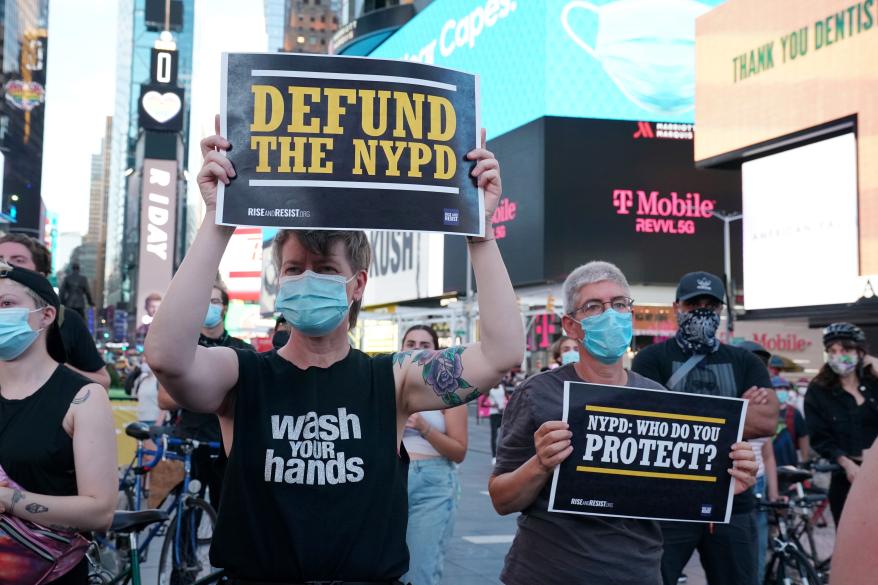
[(130, 380), (34, 554)]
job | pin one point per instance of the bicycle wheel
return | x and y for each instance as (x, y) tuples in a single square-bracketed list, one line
[(791, 567), (192, 544)]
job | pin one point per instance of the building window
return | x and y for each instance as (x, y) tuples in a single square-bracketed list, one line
[(300, 39)]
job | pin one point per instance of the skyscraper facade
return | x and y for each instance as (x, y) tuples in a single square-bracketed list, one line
[(23, 47), (96, 238), (135, 41), (310, 25)]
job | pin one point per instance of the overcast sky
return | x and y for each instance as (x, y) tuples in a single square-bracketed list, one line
[(80, 90)]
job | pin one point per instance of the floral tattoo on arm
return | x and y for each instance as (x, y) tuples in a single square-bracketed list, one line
[(442, 371)]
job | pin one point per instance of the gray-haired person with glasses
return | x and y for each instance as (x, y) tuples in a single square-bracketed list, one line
[(560, 548)]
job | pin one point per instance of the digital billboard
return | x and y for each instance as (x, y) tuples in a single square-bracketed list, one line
[(769, 72), (616, 59), (625, 192), (800, 250)]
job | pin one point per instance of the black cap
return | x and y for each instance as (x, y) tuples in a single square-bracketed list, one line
[(754, 347), (696, 284), (43, 288)]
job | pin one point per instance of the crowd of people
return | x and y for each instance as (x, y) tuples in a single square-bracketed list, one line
[(340, 466)]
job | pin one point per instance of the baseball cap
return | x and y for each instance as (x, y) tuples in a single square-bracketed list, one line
[(754, 347), (43, 289), (779, 382), (700, 283), (776, 362)]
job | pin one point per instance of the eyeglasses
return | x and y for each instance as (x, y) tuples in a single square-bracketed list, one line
[(595, 307)]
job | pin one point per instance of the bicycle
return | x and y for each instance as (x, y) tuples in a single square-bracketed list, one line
[(188, 527), (130, 524), (792, 563)]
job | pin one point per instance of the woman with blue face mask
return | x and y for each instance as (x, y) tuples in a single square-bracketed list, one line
[(841, 408), (598, 314), (436, 443), (316, 473), (565, 350), (57, 438)]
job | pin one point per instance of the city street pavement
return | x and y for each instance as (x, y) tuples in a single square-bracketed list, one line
[(481, 536)]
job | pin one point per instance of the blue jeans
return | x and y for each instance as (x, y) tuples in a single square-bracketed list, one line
[(761, 529), (434, 489)]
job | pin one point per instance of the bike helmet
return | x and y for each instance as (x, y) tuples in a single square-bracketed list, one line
[(843, 332)]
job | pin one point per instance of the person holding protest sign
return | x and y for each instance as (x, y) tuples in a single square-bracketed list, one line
[(436, 441), (558, 548), (313, 431), (695, 361)]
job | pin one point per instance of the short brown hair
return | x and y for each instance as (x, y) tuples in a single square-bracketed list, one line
[(556, 346), (151, 297), (357, 249), (40, 254), (224, 291)]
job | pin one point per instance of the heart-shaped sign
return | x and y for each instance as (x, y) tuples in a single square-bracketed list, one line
[(161, 106)]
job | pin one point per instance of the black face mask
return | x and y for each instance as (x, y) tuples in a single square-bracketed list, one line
[(280, 338)]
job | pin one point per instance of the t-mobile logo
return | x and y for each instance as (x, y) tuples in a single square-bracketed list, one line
[(623, 200)]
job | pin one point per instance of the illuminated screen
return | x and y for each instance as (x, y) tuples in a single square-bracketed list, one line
[(619, 59), (800, 226)]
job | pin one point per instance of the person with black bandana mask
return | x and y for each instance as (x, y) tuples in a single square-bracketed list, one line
[(696, 362), (281, 333), (208, 466)]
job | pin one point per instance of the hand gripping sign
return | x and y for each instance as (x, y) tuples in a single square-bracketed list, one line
[(322, 142), (647, 454)]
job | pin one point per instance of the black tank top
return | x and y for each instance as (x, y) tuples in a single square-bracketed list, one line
[(35, 450), (317, 489)]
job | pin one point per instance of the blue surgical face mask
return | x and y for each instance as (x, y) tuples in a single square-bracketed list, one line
[(608, 335), (16, 334), (314, 304), (783, 396), (569, 357), (214, 316), (647, 47)]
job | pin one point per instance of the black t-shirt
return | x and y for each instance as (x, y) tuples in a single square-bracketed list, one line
[(82, 353), (204, 426), (729, 371), (315, 475), (35, 450)]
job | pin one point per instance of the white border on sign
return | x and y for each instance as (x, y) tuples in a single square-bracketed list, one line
[(352, 77), (220, 195), (224, 86), (477, 90), (567, 384)]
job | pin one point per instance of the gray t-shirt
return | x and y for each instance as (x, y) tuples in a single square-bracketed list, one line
[(551, 547)]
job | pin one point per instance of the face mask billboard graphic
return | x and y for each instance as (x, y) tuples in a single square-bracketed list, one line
[(617, 59)]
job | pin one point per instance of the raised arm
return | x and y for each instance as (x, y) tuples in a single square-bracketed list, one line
[(198, 378), (429, 380), (94, 451)]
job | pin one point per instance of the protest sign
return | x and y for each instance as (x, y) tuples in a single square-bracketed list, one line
[(647, 454), (321, 142)]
